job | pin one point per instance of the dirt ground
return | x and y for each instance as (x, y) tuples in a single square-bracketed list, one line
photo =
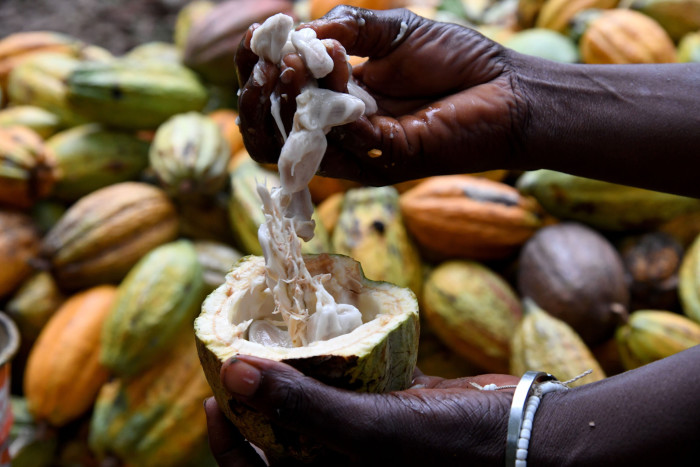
[(117, 25)]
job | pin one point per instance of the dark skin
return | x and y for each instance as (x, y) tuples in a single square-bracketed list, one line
[(457, 102)]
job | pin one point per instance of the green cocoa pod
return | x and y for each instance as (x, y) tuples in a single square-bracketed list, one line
[(542, 342), (689, 285), (370, 229), (190, 155), (41, 81), (159, 298), (245, 210), (651, 335), (155, 51), (134, 94), (155, 417), (90, 157), (544, 43), (473, 311), (43, 122), (603, 205)]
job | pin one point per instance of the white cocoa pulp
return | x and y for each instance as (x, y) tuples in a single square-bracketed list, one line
[(304, 312)]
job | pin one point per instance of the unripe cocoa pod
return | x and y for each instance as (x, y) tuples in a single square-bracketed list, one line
[(133, 94), (651, 335), (156, 301), (27, 167), (105, 233), (603, 205), (542, 342), (31, 307), (575, 274), (154, 51), (19, 244), (190, 156), (474, 312), (90, 157)]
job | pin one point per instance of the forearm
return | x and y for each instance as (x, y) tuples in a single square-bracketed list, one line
[(649, 416), (630, 124)]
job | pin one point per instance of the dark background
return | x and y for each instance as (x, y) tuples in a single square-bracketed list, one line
[(117, 25)]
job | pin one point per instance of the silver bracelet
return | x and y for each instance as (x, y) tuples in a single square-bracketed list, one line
[(518, 435)]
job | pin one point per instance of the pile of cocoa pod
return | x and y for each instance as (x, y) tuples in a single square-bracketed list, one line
[(126, 195)]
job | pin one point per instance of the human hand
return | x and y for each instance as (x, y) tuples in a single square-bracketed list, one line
[(435, 422), (448, 99)]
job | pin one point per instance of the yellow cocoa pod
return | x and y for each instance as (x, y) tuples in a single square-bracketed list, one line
[(651, 335), (473, 311), (63, 374), (542, 342), (689, 285), (556, 14), (43, 122)]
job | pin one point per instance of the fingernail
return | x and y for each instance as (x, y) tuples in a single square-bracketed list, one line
[(240, 378)]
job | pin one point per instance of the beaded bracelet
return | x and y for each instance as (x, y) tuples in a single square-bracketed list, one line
[(529, 390)]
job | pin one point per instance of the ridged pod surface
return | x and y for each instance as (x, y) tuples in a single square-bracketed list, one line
[(19, 243), (472, 310), (41, 81), (542, 342), (133, 94), (689, 285), (156, 418), (27, 167), (621, 36), (20, 46), (190, 155), (245, 209), (156, 301), (63, 373), (90, 157), (461, 216), (43, 122), (651, 335), (577, 275), (378, 356), (370, 229), (603, 205), (105, 233), (212, 40), (556, 14), (216, 259)]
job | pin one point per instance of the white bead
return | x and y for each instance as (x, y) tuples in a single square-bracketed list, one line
[(530, 413), (527, 424), (525, 434), (490, 387), (521, 454), (523, 443), (519, 463)]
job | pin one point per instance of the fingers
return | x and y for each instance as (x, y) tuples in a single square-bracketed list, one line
[(245, 59), (256, 118), (227, 445), (367, 33)]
